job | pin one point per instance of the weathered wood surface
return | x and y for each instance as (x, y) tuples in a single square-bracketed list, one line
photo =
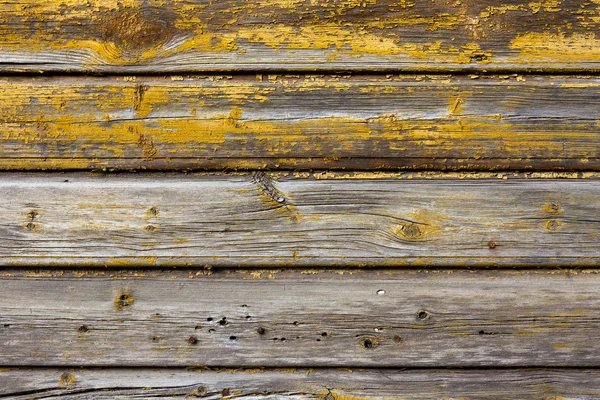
[(295, 219), (296, 384), (309, 318), (273, 121), (182, 35)]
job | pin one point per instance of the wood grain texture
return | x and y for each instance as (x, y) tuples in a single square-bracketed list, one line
[(295, 219), (296, 384), (184, 35), (311, 318), (286, 121)]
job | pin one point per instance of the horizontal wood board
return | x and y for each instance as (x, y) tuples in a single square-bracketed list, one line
[(298, 219), (296, 384), (131, 36), (300, 121), (311, 318)]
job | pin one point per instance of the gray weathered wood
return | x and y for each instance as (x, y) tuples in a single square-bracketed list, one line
[(184, 35), (322, 384), (286, 121), (249, 220), (310, 318)]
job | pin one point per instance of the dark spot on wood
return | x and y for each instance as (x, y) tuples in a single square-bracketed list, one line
[(225, 392), (324, 334), (248, 316), (7, 325), (150, 228), (223, 321), (368, 343), (124, 300), (423, 315), (155, 338), (232, 337), (134, 30), (397, 339), (296, 323), (192, 340), (261, 330), (30, 226), (83, 329), (211, 330), (67, 379), (197, 327), (153, 211), (492, 245), (478, 58), (32, 214), (554, 207)]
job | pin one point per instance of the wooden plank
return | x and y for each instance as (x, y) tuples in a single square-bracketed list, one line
[(182, 35), (294, 219), (313, 318), (321, 384), (264, 121)]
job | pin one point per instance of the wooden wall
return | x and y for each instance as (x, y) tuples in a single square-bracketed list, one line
[(299, 199)]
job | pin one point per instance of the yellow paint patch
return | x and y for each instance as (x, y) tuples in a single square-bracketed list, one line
[(544, 47)]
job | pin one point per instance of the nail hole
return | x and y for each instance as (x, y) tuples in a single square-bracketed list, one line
[(248, 316), (381, 292), (223, 321), (83, 329), (482, 332), (30, 226), (296, 323), (261, 331), (150, 228), (422, 314), (192, 340), (124, 300), (153, 211), (324, 334), (211, 330), (232, 337), (492, 245), (368, 343), (209, 319)]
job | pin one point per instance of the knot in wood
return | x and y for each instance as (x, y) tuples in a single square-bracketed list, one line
[(553, 225), (136, 29), (411, 231)]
